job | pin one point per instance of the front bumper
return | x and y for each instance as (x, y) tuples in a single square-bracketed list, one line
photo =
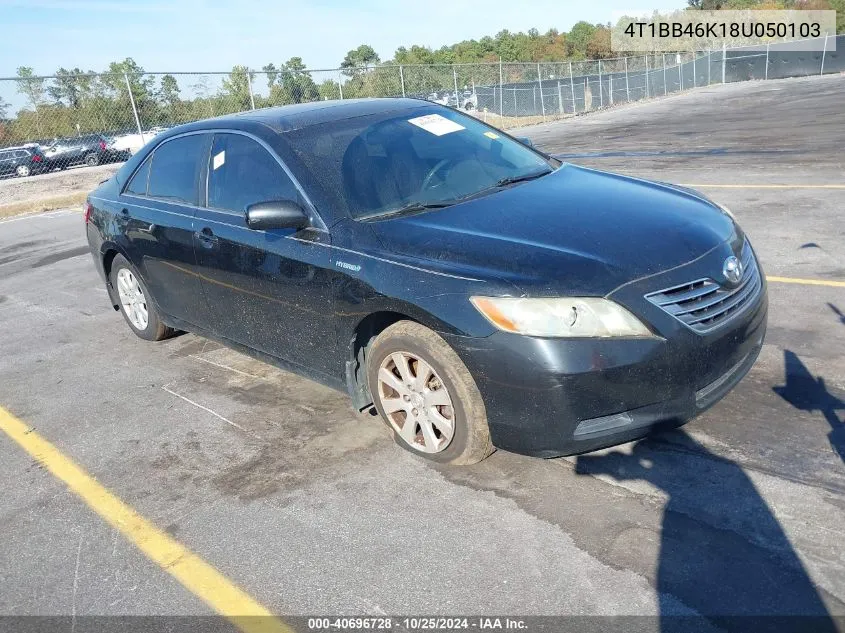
[(551, 397)]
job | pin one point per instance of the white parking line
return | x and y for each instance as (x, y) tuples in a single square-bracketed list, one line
[(207, 410)]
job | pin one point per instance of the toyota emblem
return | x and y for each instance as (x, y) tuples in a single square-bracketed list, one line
[(732, 270)]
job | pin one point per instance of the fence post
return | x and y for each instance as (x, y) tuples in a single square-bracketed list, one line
[(824, 52), (134, 109), (646, 77), (665, 85), (455, 79), (680, 72), (572, 89), (249, 85), (724, 56), (694, 75), (709, 55), (402, 79), (610, 87), (766, 76), (601, 89), (501, 92), (542, 101), (559, 98), (627, 87)]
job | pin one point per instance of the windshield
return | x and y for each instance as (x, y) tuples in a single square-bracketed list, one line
[(421, 158)]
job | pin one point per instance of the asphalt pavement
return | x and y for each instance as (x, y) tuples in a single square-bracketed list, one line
[(271, 480)]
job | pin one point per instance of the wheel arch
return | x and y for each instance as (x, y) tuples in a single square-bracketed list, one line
[(108, 251), (362, 335)]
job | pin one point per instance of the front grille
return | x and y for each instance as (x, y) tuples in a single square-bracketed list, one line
[(705, 305)]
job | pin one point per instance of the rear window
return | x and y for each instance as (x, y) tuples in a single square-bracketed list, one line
[(174, 169)]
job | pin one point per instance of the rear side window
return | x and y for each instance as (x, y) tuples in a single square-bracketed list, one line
[(138, 184), (241, 172), (174, 169)]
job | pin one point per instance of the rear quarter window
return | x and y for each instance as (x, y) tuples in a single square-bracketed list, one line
[(174, 169)]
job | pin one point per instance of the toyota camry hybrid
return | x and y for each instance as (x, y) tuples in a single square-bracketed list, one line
[(470, 290)]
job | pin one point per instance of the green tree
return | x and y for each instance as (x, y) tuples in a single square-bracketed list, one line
[(359, 59), (272, 74), (70, 87), (297, 83), (169, 91), (236, 89), (4, 109)]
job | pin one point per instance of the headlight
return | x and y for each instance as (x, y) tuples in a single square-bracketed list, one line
[(560, 316)]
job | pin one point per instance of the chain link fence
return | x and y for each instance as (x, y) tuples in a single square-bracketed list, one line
[(92, 118)]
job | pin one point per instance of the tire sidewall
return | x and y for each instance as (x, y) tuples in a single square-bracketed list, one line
[(405, 343), (149, 333)]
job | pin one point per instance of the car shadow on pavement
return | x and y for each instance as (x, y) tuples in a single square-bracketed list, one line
[(722, 551), (808, 393)]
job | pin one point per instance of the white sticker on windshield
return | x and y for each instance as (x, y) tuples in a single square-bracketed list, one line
[(219, 159), (436, 124)]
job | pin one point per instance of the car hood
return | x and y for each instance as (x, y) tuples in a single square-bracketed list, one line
[(577, 230)]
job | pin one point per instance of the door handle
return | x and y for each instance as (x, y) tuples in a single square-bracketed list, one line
[(207, 238)]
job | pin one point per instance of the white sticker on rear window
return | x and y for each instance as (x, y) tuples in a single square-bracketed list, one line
[(436, 124), (219, 159)]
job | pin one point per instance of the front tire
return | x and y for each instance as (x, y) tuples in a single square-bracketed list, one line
[(426, 396), (136, 304)]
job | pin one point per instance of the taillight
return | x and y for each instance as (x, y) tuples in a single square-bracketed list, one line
[(102, 145), (36, 158), (86, 212)]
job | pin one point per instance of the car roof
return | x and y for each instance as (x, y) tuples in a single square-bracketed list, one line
[(296, 116)]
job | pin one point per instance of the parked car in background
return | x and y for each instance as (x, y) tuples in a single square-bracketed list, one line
[(473, 291), (132, 143), (90, 149), (23, 161)]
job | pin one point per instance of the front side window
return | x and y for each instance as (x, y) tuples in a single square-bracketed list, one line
[(174, 169), (241, 172), (381, 164)]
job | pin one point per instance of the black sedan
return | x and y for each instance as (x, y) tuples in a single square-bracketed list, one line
[(472, 291)]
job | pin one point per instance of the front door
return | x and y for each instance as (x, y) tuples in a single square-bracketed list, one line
[(269, 290)]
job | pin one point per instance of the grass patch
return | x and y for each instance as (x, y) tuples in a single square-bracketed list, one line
[(45, 204)]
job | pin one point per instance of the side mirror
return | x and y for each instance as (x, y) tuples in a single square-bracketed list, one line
[(525, 141), (276, 214)]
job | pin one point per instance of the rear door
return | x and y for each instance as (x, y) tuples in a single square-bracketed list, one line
[(157, 214), (269, 290)]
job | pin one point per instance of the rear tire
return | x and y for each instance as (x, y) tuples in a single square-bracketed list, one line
[(136, 304), (426, 396), (92, 160), (23, 171)]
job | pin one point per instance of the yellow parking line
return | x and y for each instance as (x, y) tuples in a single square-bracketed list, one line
[(197, 576), (762, 186), (806, 282)]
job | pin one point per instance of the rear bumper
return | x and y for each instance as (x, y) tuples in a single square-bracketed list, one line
[(553, 397)]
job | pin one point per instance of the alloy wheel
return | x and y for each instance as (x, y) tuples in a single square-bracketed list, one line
[(416, 402), (132, 299)]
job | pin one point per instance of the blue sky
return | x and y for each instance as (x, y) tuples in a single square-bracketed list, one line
[(205, 35)]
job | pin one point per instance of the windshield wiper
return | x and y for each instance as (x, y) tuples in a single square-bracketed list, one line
[(411, 207), (510, 180)]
